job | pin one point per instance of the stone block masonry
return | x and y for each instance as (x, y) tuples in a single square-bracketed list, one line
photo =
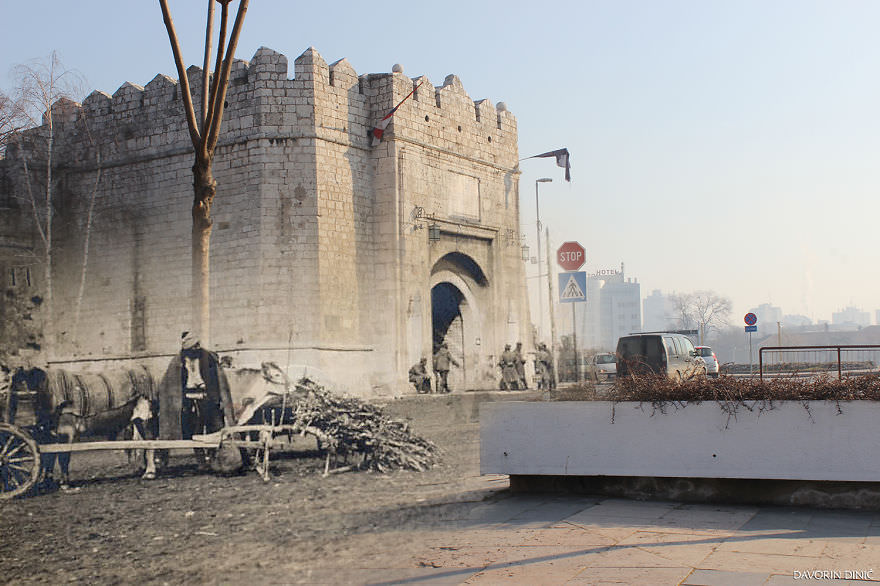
[(320, 253)]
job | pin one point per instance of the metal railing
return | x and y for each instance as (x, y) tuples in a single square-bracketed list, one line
[(847, 359)]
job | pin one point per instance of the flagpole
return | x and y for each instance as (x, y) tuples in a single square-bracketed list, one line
[(538, 226), (552, 318), (378, 130), (574, 339)]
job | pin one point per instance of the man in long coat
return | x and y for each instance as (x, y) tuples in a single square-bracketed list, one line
[(509, 378), (442, 361), (520, 366), (194, 395)]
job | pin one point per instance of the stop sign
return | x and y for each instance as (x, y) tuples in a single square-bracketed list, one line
[(571, 256)]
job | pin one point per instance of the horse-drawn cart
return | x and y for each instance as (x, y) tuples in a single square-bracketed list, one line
[(22, 457), (268, 412), (30, 440)]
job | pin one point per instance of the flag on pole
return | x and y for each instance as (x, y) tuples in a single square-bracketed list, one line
[(379, 129), (562, 160)]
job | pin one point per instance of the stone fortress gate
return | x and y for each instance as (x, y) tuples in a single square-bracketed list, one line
[(349, 259)]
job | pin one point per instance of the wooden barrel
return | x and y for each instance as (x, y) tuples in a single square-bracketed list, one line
[(92, 394), (63, 386)]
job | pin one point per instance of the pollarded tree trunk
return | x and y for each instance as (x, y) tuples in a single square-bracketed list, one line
[(204, 190), (204, 133)]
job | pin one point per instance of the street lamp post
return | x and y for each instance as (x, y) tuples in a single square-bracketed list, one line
[(538, 223)]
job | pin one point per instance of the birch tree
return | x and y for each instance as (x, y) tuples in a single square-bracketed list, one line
[(45, 96), (204, 131)]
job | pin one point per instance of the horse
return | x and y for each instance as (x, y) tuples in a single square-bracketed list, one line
[(58, 406)]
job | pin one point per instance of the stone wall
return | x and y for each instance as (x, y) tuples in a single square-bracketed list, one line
[(320, 252)]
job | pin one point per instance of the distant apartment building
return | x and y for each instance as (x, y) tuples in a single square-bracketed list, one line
[(768, 315), (612, 310), (851, 316), (796, 321), (659, 312)]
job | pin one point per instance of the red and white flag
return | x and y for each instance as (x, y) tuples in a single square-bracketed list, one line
[(379, 129), (562, 160)]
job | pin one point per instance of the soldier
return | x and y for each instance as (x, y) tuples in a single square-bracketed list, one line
[(520, 363), (442, 361), (550, 375), (541, 375), (419, 377), (544, 374), (509, 378)]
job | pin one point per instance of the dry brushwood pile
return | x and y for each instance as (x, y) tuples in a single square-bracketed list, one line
[(356, 431), (728, 389)]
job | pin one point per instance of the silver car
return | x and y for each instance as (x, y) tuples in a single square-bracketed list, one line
[(604, 366), (713, 367)]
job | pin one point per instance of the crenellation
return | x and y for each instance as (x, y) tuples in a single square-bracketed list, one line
[(311, 68), (64, 111), (238, 73), (128, 97), (343, 75), (97, 104), (485, 112), (159, 94)]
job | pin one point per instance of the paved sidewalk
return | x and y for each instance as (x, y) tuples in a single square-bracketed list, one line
[(533, 539)]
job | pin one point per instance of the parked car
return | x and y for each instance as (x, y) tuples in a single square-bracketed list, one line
[(603, 366), (713, 367), (665, 353)]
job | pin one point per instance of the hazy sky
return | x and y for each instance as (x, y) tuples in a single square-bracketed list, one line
[(730, 146)]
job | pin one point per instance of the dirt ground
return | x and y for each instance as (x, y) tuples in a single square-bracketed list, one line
[(190, 527)]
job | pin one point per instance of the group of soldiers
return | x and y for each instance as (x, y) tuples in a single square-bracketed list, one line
[(512, 364), (513, 372)]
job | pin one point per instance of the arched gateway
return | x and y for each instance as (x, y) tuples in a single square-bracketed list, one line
[(460, 293)]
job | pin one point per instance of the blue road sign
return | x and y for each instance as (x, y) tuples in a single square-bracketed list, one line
[(751, 328), (572, 287)]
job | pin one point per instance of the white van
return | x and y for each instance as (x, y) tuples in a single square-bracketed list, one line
[(664, 353)]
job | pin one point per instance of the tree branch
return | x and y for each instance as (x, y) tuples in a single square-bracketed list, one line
[(181, 72), (27, 178), (220, 97), (209, 31), (215, 82)]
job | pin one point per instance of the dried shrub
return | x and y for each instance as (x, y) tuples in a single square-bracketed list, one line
[(732, 394), (659, 389)]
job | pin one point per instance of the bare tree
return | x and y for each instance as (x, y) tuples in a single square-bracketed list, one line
[(702, 310), (46, 96), (10, 120), (204, 132), (682, 303), (87, 233)]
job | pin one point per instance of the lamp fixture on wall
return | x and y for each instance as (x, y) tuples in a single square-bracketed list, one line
[(433, 232)]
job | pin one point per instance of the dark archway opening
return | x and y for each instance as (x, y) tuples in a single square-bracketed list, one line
[(446, 302)]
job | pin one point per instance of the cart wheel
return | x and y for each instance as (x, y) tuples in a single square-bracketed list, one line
[(19, 461)]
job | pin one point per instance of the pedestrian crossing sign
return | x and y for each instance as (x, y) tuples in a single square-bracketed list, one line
[(572, 287)]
